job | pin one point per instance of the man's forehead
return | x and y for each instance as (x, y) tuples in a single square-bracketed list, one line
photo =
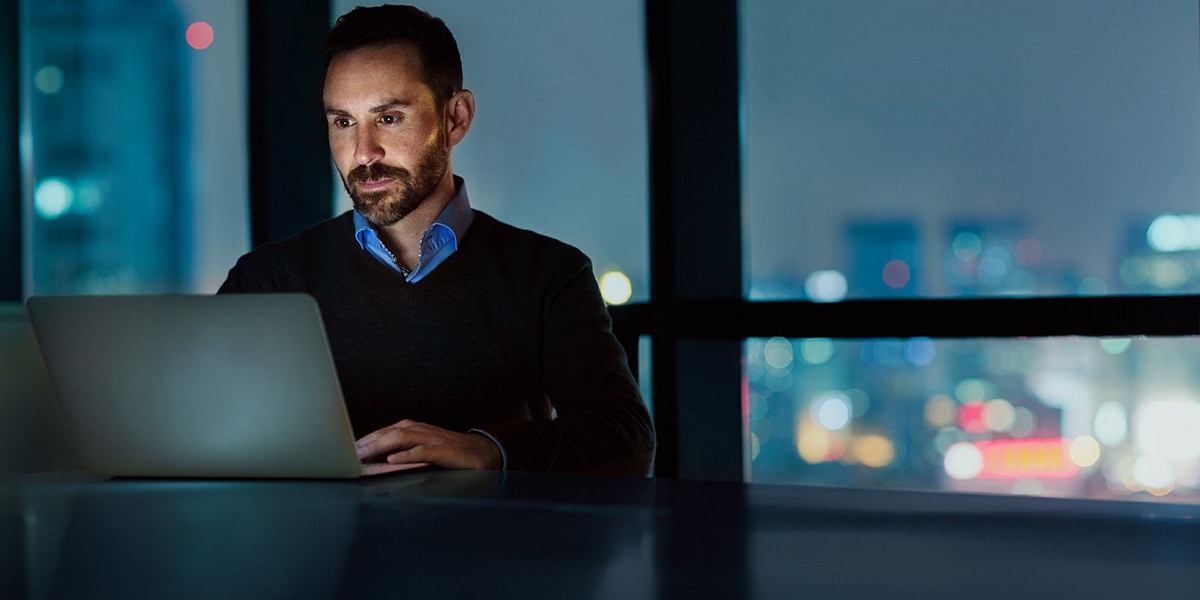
[(375, 75), (396, 54)]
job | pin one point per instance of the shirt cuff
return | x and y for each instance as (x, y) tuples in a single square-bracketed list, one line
[(503, 454)]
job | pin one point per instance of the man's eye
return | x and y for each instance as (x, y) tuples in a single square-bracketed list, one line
[(341, 123), (389, 119)]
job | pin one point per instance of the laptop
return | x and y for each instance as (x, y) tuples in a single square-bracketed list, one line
[(226, 386)]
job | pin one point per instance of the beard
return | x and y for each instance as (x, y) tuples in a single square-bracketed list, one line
[(386, 207)]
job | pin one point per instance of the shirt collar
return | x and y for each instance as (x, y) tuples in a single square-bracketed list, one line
[(450, 227)]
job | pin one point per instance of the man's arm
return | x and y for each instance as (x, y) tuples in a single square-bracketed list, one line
[(602, 424)]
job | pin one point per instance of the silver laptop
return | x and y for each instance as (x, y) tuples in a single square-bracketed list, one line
[(228, 386)]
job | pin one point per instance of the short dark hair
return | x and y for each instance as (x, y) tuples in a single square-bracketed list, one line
[(368, 27)]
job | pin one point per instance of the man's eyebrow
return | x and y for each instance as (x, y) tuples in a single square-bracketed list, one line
[(386, 106), (389, 105)]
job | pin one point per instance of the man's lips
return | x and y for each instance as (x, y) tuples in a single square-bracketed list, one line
[(375, 184)]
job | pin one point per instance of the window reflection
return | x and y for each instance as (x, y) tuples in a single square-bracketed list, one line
[(1071, 417)]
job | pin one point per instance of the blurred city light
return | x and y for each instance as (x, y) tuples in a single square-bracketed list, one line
[(778, 353), (199, 35), (615, 287), (1026, 459), (1085, 451), (875, 451), (920, 351), (1168, 429), (816, 351), (832, 411), (1028, 252), (896, 274), (52, 198), (940, 411), (971, 417), (999, 415), (826, 286), (1052, 416), (1174, 233), (963, 461), (49, 80), (1110, 424), (966, 246), (1154, 473)]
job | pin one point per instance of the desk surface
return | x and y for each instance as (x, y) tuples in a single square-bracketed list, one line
[(484, 534)]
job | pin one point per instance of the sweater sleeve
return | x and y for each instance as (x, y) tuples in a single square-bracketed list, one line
[(601, 424)]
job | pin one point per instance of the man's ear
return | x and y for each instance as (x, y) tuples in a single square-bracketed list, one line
[(460, 111)]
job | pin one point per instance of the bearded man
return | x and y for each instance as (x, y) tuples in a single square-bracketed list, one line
[(459, 341)]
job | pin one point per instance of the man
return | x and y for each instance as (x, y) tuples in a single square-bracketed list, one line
[(459, 340)]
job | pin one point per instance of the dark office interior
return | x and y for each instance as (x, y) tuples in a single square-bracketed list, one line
[(911, 288)]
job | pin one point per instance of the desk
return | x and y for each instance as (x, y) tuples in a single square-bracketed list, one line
[(442, 534)]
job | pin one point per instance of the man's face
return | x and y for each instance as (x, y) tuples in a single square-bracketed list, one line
[(386, 133)]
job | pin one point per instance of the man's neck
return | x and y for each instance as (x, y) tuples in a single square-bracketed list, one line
[(403, 238)]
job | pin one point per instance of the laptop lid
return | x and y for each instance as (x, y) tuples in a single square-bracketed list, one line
[(239, 386)]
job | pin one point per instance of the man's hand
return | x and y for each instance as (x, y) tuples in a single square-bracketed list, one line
[(414, 442)]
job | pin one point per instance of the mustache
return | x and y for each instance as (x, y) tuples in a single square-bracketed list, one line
[(375, 171)]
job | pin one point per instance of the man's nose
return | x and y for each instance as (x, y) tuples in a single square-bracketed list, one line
[(367, 149)]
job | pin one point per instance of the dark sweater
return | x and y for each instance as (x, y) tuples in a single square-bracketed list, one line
[(509, 330)]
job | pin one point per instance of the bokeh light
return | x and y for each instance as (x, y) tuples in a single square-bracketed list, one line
[(832, 410), (1084, 450), (966, 246), (999, 415), (1174, 233), (970, 417), (1168, 429), (778, 353), (199, 35), (963, 461), (52, 198), (920, 351), (49, 80), (826, 286), (969, 390), (1028, 252), (816, 351), (1110, 424), (615, 287), (896, 274), (875, 451), (940, 411), (1154, 473)]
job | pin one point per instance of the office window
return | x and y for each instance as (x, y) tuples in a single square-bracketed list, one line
[(559, 140), (956, 149), (953, 148), (134, 148), (1110, 418)]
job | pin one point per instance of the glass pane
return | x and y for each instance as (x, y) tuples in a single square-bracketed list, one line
[(1070, 417), (559, 140), (946, 148), (134, 146)]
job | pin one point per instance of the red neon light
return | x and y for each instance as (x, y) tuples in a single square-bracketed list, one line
[(1027, 459)]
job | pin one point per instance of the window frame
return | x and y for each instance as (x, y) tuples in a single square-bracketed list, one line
[(11, 213)]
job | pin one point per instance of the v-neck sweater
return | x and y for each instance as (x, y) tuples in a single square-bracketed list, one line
[(508, 336)]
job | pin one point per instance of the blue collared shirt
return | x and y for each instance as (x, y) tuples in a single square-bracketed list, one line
[(437, 243)]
